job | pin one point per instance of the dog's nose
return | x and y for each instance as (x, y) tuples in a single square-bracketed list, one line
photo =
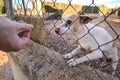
[(57, 30)]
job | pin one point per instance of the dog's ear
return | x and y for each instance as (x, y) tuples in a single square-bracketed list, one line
[(84, 19)]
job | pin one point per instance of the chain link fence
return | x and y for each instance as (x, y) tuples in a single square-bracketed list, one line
[(53, 11)]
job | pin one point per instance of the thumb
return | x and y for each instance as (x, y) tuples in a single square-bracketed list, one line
[(23, 26)]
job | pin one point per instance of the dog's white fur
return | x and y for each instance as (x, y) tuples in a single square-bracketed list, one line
[(93, 40)]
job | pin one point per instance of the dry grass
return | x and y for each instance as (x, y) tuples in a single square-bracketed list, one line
[(3, 58), (5, 70)]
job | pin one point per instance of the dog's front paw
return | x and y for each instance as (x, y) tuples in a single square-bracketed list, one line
[(67, 56), (72, 62)]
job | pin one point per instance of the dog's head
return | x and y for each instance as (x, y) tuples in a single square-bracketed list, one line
[(72, 23)]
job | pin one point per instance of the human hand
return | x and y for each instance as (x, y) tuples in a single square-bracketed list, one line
[(13, 35)]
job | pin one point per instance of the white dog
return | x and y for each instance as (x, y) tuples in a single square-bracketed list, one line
[(91, 38)]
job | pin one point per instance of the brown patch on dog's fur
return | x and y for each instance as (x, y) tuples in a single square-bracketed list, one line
[(75, 29), (75, 22), (88, 50), (73, 17), (85, 19)]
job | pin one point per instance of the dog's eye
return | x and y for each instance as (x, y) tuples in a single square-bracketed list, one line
[(68, 22)]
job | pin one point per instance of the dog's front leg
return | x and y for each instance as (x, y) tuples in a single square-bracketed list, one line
[(114, 63), (71, 54), (91, 56)]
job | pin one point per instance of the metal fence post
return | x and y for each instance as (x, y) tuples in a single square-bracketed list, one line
[(8, 4), (23, 3)]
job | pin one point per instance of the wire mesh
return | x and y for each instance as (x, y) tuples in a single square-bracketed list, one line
[(52, 12)]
